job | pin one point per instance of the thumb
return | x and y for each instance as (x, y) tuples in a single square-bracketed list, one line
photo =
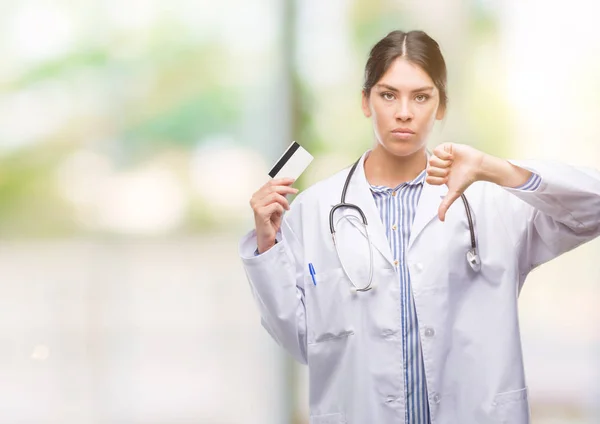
[(446, 203), (444, 151), (448, 147)]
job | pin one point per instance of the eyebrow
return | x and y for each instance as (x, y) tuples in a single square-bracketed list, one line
[(395, 90)]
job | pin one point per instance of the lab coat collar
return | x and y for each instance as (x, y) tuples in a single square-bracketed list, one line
[(359, 192), (427, 209)]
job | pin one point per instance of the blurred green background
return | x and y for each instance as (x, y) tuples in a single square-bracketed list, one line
[(132, 135), (108, 109)]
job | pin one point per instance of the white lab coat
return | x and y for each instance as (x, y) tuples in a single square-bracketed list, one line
[(468, 320)]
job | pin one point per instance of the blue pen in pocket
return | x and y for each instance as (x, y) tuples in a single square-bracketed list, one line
[(311, 269)]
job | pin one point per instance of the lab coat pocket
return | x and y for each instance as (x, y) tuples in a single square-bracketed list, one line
[(328, 419), (512, 407), (328, 306)]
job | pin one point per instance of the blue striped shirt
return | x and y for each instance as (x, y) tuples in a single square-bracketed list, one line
[(397, 208)]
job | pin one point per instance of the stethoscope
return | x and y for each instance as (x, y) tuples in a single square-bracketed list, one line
[(472, 255)]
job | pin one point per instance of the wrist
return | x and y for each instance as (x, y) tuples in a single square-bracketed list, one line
[(264, 245), (502, 172), (491, 169)]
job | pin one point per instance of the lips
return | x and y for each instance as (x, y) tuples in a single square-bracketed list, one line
[(403, 131)]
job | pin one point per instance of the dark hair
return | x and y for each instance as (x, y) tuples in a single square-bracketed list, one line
[(416, 47)]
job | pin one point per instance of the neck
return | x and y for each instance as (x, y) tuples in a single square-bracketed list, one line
[(385, 169)]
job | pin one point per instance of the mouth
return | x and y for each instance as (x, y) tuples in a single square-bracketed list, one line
[(403, 133)]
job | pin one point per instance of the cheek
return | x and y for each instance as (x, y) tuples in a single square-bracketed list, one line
[(428, 117), (381, 113), (377, 117)]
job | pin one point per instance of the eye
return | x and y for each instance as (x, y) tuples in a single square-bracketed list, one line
[(387, 95), (421, 98)]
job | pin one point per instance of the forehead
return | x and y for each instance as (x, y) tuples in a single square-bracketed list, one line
[(405, 75)]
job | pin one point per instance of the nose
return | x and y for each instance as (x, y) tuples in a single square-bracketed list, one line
[(403, 113)]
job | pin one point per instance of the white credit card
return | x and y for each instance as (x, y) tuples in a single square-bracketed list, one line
[(292, 163)]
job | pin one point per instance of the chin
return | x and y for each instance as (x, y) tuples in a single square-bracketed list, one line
[(403, 149)]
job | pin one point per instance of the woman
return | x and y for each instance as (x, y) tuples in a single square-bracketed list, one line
[(435, 337)]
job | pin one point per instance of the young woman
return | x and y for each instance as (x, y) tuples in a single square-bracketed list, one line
[(412, 318)]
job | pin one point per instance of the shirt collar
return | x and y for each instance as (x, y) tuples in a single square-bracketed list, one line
[(418, 181)]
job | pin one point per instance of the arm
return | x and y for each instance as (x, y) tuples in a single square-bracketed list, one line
[(561, 213), (277, 283)]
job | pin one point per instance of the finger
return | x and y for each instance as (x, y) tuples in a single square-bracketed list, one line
[(268, 211), (436, 180), (281, 181), (438, 172), (266, 214), (446, 203), (283, 190), (270, 188), (274, 182), (444, 151), (274, 198), (438, 162)]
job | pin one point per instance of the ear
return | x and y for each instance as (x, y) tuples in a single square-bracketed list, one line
[(366, 108)]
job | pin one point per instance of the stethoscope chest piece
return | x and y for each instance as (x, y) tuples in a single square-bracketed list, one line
[(473, 259)]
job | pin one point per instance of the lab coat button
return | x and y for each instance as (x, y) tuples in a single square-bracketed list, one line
[(429, 332), (436, 398), (391, 399)]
